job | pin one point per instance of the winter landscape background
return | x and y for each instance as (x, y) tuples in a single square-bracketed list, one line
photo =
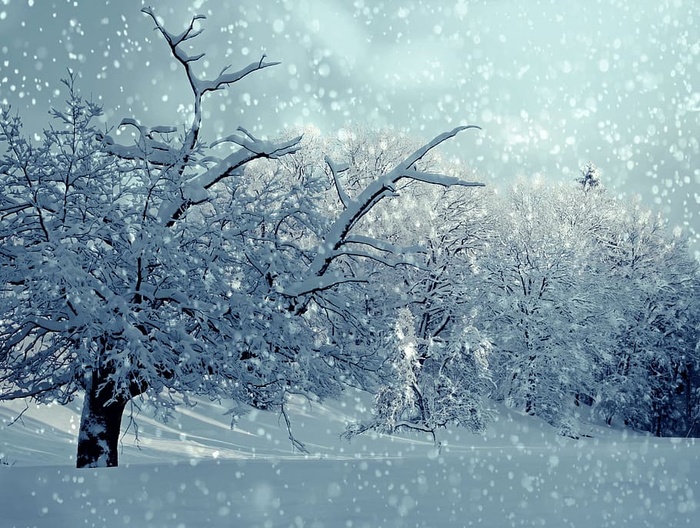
[(552, 86), (615, 82)]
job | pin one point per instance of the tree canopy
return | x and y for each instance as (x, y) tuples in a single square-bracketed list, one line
[(253, 270), (164, 267)]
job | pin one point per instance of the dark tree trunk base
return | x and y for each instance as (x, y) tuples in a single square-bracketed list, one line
[(100, 426)]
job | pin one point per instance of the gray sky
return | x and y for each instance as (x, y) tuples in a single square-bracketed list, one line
[(553, 83)]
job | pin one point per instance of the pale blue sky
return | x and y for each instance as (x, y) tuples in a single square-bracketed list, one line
[(554, 84)]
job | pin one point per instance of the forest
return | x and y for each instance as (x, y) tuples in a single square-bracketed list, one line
[(143, 263)]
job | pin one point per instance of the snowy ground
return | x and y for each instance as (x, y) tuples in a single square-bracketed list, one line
[(197, 472)]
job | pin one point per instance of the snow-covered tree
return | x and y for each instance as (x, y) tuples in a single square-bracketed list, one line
[(433, 385), (590, 176), (166, 268), (651, 378), (438, 373), (588, 299), (538, 300)]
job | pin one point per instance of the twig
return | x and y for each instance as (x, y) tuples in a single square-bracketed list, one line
[(295, 443)]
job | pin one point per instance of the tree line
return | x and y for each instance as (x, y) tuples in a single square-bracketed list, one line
[(256, 270), (555, 297)]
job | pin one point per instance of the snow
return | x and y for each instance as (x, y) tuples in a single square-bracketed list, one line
[(555, 85), (196, 471)]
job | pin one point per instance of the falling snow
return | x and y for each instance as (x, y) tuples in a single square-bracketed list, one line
[(553, 84), (520, 473)]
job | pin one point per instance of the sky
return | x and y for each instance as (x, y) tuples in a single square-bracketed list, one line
[(553, 84)]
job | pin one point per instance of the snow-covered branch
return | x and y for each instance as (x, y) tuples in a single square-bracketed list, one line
[(147, 148), (372, 194), (200, 86), (383, 245), (264, 148), (175, 159), (224, 79), (335, 170), (36, 389), (195, 190), (317, 284)]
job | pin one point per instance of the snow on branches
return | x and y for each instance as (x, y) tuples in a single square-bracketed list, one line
[(336, 242), (157, 270), (435, 384)]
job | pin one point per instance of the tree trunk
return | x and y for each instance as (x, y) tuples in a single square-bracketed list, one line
[(100, 425)]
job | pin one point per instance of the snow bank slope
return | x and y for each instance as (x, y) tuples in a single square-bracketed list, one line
[(519, 474)]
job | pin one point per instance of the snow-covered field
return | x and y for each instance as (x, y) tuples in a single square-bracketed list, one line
[(197, 472)]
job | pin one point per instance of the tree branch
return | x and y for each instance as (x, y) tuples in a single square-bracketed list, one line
[(368, 198), (295, 443), (335, 170), (383, 245)]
